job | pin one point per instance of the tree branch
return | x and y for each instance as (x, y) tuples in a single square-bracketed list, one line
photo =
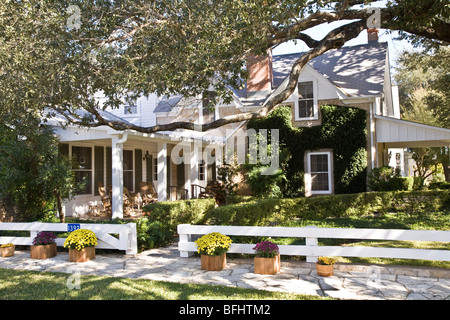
[(334, 40)]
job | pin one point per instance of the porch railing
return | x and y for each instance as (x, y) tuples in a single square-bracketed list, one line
[(177, 193)]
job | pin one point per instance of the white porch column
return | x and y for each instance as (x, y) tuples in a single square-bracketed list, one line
[(117, 176), (162, 172), (194, 169)]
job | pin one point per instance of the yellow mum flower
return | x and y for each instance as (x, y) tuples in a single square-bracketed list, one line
[(80, 239), (213, 244)]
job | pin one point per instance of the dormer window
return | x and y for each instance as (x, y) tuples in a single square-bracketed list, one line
[(306, 108)]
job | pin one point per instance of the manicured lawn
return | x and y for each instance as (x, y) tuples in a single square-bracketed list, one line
[(32, 285)]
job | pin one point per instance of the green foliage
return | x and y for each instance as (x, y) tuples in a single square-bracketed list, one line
[(33, 172), (165, 46), (151, 234), (388, 179), (265, 185), (265, 212), (172, 213), (343, 130)]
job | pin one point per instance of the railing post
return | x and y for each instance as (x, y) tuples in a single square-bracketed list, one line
[(184, 238), (311, 242)]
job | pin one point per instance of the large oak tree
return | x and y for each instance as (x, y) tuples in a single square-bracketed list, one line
[(55, 54)]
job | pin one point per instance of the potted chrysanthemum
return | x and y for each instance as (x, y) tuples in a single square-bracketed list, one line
[(44, 246), (325, 266), (213, 248), (81, 244), (7, 250), (267, 260)]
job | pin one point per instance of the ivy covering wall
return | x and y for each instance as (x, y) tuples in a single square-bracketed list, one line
[(343, 130)]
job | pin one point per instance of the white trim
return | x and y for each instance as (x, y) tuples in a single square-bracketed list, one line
[(308, 180), (315, 100)]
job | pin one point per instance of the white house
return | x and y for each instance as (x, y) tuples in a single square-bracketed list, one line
[(357, 76)]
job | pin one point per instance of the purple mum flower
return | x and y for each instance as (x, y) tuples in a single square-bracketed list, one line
[(44, 238), (266, 249)]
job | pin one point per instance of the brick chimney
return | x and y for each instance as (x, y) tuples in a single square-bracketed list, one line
[(372, 36), (260, 73)]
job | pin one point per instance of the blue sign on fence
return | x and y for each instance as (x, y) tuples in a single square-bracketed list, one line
[(73, 226)]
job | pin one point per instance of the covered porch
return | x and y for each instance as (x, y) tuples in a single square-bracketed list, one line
[(170, 166), (396, 134)]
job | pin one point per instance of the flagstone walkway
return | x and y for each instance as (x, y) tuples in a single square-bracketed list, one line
[(360, 282)]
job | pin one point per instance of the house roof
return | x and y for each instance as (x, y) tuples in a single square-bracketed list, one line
[(357, 70)]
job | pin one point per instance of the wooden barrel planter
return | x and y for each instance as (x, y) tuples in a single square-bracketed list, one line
[(7, 251), (324, 270), (43, 251)]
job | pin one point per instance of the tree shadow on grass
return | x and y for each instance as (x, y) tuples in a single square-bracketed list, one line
[(34, 285)]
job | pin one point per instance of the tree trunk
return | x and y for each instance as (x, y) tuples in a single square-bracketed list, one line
[(59, 206)]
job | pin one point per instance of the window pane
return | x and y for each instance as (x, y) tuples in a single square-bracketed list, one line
[(319, 163), (82, 157), (128, 180), (306, 108), (319, 182), (84, 182), (306, 90), (127, 160)]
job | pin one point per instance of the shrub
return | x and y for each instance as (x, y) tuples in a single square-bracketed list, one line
[(151, 234), (264, 212), (172, 213), (388, 179)]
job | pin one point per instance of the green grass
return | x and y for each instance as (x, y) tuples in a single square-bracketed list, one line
[(33, 285)]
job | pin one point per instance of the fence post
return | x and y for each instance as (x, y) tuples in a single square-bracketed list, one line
[(311, 242), (131, 239), (34, 232), (184, 238)]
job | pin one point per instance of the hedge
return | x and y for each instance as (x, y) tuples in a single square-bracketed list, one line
[(173, 213), (272, 211)]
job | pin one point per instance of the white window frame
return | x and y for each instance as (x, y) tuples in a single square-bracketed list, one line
[(309, 173), (315, 101), (201, 170)]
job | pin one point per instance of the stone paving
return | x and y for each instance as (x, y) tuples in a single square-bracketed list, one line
[(349, 281)]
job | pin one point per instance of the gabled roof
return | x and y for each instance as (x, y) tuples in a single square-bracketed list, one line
[(356, 70)]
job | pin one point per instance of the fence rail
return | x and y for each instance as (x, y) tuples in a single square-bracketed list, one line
[(127, 237), (312, 250)]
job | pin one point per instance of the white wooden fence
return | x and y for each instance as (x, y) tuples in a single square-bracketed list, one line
[(127, 240), (312, 250)]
